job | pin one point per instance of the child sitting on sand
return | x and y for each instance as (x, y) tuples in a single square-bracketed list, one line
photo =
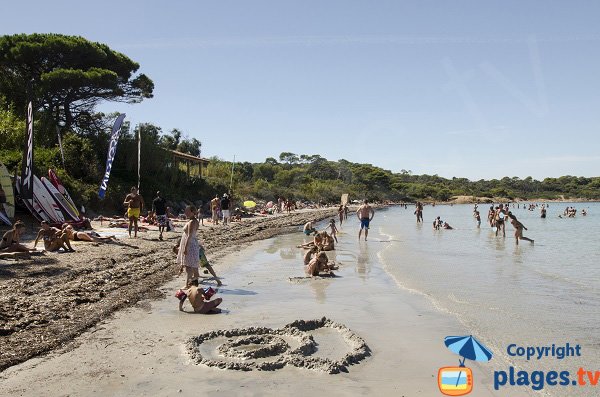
[(327, 242), (198, 299), (319, 264)]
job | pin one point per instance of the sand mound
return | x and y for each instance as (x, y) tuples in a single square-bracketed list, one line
[(267, 349)]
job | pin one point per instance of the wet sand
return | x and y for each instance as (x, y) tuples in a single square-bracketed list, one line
[(45, 302), (145, 349)]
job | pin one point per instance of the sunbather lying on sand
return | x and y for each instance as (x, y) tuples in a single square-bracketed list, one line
[(91, 236)]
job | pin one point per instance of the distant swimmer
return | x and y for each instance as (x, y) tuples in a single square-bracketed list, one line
[(543, 211), (437, 223), (447, 226), (365, 214), (518, 228)]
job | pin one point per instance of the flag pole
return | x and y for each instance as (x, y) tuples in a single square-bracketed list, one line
[(139, 155), (231, 179)]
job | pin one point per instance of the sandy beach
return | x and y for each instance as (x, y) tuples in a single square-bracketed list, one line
[(48, 300), (144, 349)]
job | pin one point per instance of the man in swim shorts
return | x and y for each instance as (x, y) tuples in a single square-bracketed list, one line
[(365, 214), (309, 229), (135, 204)]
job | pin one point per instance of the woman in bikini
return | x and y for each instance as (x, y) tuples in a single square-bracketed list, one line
[(11, 241), (91, 237), (54, 239)]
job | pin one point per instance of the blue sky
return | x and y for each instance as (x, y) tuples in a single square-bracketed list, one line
[(455, 88)]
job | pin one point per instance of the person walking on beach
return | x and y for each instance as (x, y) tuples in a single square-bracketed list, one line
[(190, 252), (225, 203), (214, 209), (159, 207), (334, 229), (365, 214), (341, 214), (518, 228), (135, 204)]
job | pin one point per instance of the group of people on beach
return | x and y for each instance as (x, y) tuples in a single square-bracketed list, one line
[(54, 239), (499, 215), (316, 261), (191, 257)]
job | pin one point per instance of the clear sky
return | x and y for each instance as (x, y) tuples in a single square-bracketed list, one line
[(455, 88)]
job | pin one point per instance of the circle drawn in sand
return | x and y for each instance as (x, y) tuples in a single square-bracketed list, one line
[(267, 349)]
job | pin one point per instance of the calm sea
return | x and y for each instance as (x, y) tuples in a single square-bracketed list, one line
[(530, 295)]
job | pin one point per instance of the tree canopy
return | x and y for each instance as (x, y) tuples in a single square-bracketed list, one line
[(67, 76)]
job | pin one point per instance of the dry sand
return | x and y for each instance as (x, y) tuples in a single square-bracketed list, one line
[(394, 337)]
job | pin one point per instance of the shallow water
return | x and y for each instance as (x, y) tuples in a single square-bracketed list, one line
[(531, 294)]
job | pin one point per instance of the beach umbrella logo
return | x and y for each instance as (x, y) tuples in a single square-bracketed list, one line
[(458, 381)]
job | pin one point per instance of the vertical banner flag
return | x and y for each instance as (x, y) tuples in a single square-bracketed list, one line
[(139, 154), (112, 150), (27, 168)]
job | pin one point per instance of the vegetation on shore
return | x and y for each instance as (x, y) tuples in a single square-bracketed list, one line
[(68, 76)]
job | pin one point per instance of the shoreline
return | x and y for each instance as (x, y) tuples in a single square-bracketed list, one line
[(142, 350), (48, 301)]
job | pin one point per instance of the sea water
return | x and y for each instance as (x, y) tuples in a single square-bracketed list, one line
[(528, 294)]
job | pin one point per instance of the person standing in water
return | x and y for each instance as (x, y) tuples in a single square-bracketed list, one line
[(543, 211), (135, 204), (365, 214), (419, 212), (519, 227)]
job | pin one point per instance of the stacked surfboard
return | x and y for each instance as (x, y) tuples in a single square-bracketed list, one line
[(51, 201), (7, 197)]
